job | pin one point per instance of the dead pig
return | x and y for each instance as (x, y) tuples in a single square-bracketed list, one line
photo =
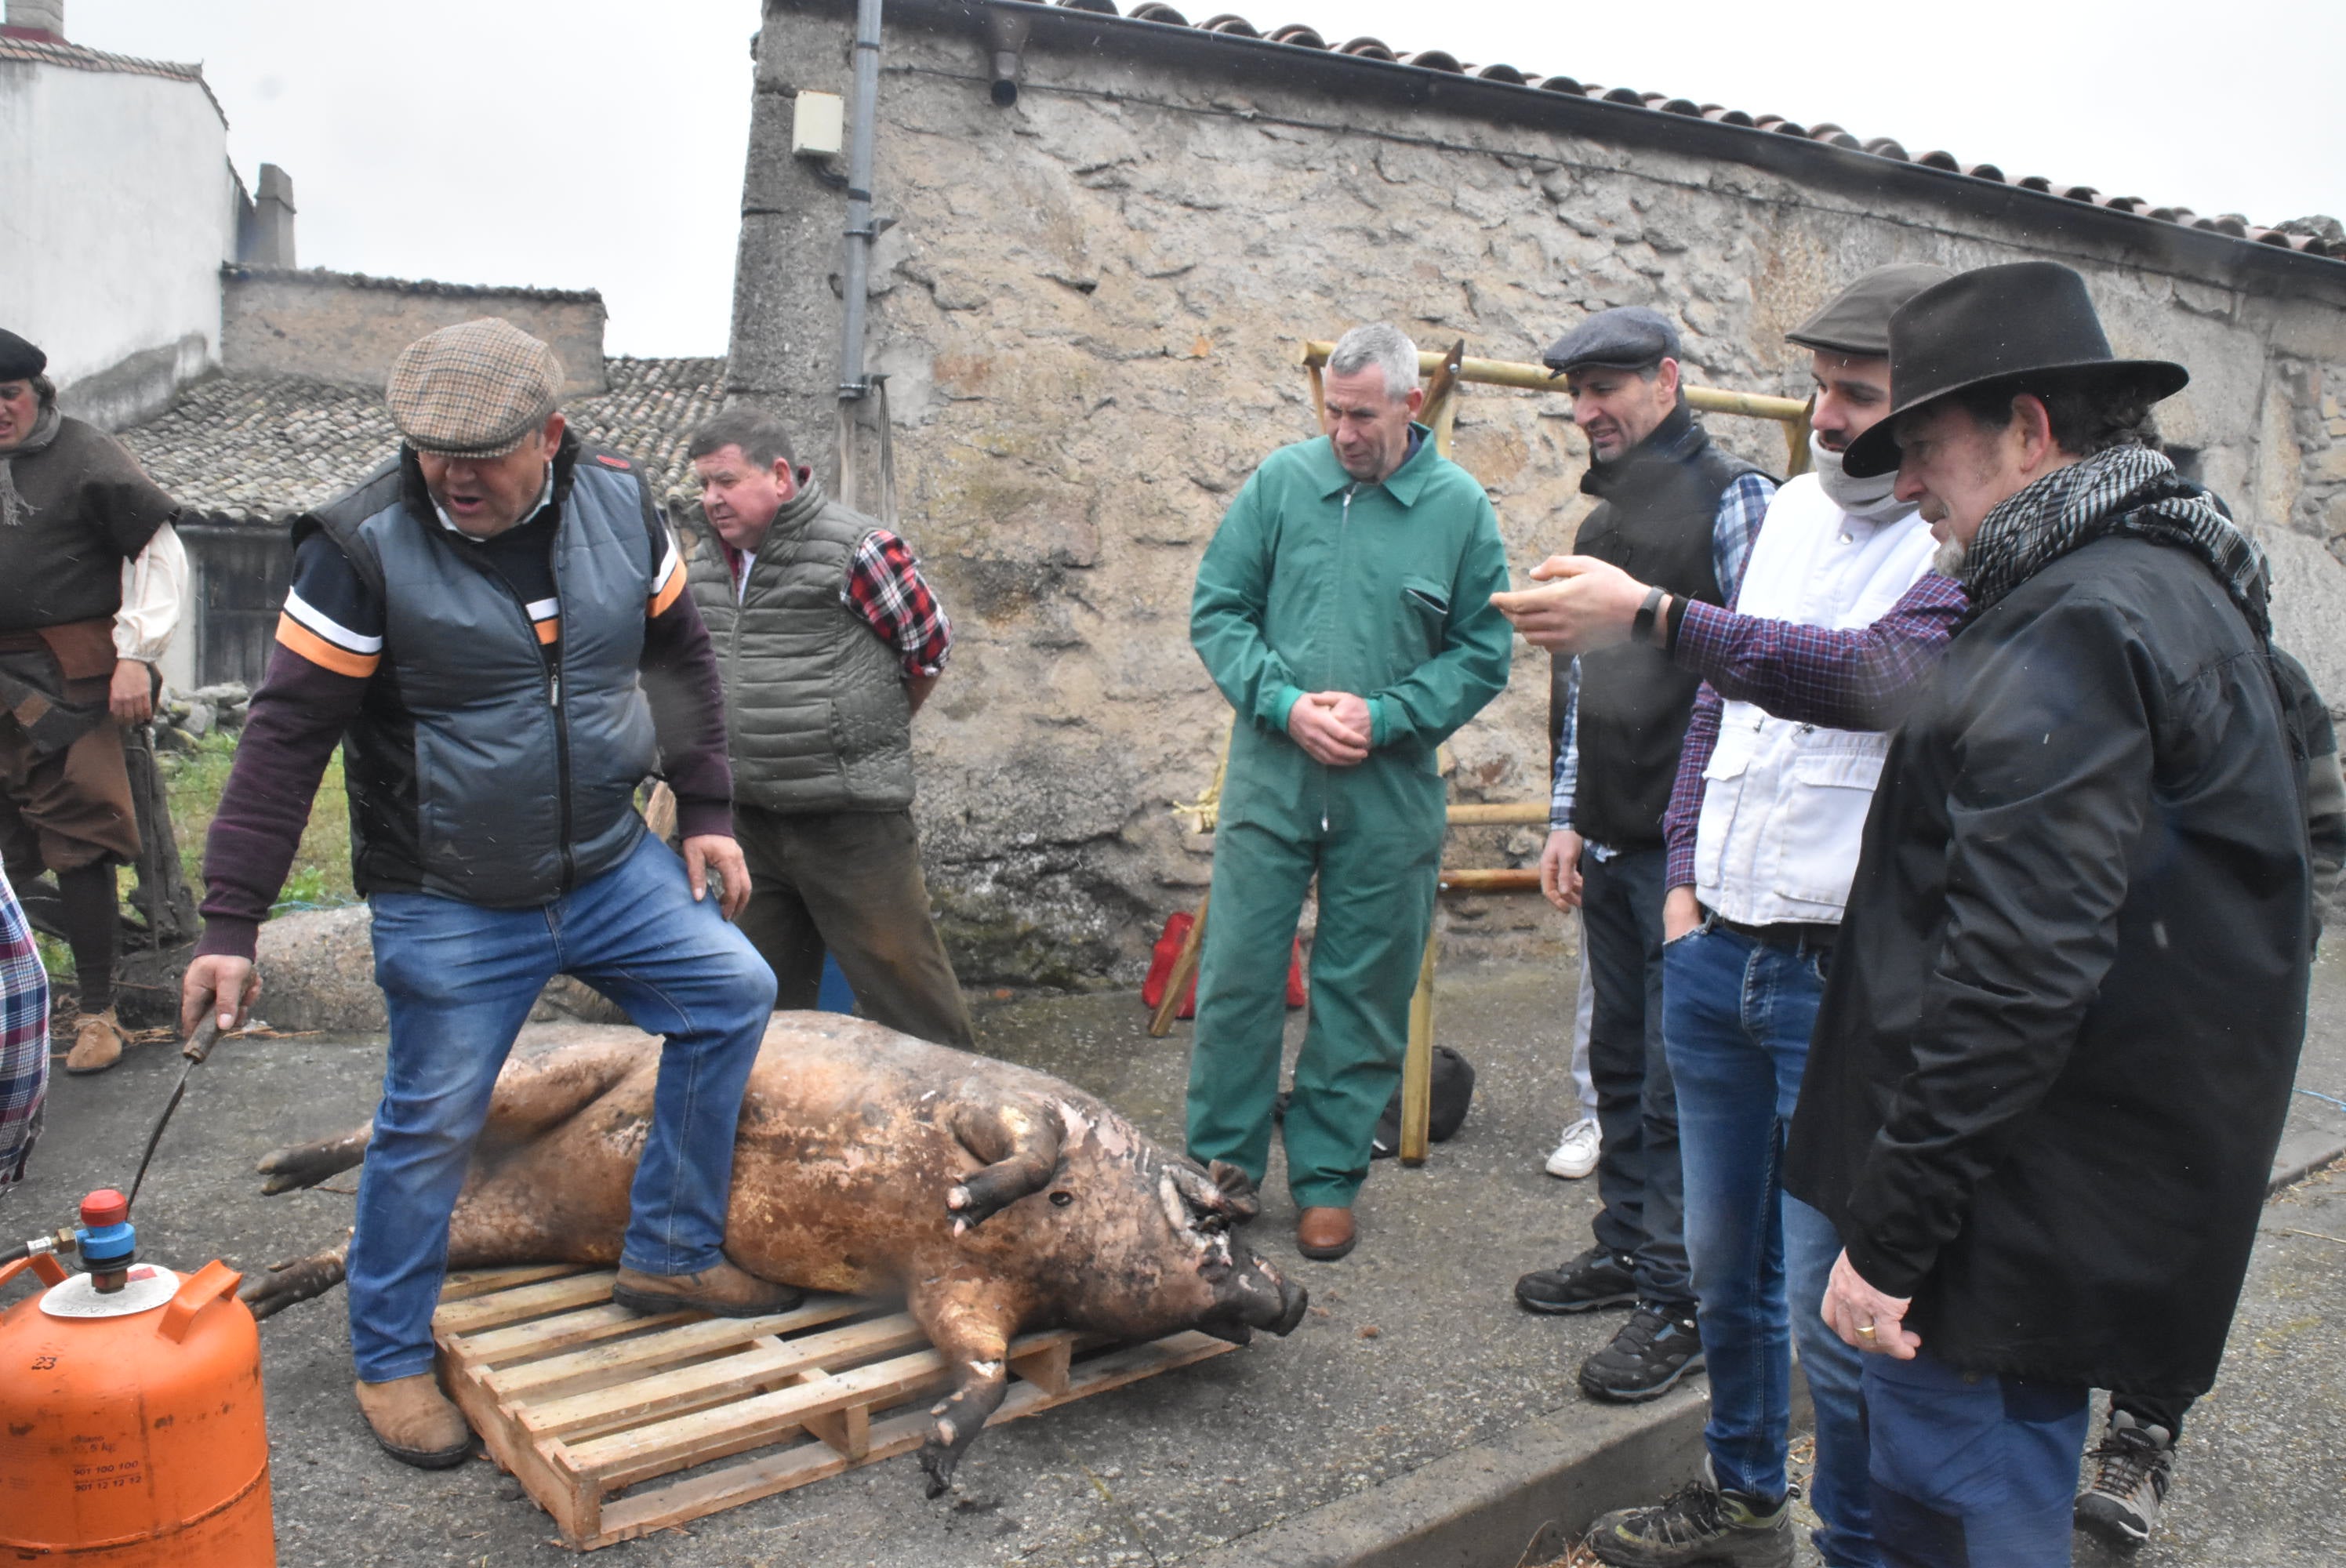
[(994, 1199)]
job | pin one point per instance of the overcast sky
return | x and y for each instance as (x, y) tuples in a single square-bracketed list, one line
[(597, 144)]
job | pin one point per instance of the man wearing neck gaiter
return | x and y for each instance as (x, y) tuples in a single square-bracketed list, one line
[(1681, 514), (1838, 621)]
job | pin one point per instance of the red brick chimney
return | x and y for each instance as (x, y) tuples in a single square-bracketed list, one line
[(42, 20)]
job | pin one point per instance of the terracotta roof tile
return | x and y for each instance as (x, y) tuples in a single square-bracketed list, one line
[(2310, 236), (408, 285), (260, 448), (15, 45)]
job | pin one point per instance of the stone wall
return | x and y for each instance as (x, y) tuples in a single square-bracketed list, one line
[(1089, 307), (346, 328)]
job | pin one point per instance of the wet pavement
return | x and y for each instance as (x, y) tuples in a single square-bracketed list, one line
[(1414, 1352)]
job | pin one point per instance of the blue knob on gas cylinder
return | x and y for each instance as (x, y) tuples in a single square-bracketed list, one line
[(105, 1236)]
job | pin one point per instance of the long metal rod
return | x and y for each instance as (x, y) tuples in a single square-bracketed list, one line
[(852, 382), (1539, 378)]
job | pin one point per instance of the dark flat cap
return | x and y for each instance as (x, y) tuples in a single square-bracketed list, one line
[(1857, 319), (19, 360), (475, 390), (1626, 338)]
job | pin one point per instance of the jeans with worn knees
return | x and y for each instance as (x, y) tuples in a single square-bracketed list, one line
[(459, 981), (1971, 1469), (1637, 1164), (1738, 1014)]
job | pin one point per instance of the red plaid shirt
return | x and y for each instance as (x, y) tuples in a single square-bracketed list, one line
[(885, 587)]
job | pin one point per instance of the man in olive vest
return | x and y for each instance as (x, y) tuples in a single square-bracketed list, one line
[(829, 641), (1674, 511), (477, 623)]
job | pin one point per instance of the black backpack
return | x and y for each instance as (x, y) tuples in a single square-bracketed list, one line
[(1453, 1091)]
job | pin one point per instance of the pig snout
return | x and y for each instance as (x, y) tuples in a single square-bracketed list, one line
[(1257, 1297)]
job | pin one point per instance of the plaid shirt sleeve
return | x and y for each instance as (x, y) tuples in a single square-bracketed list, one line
[(1685, 812), (1742, 507), (885, 587), (23, 1037), (1863, 677), (1566, 783)]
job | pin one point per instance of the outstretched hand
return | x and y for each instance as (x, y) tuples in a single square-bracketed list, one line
[(1583, 605), (717, 852)]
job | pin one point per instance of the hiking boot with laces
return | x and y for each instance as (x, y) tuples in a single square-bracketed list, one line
[(2137, 1466), (1700, 1524), (1655, 1349), (1594, 1278)]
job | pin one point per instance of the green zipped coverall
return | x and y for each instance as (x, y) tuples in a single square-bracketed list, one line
[(1319, 581)]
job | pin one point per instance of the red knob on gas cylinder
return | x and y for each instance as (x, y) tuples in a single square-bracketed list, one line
[(103, 1207)]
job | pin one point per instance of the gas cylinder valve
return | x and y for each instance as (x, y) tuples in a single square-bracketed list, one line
[(107, 1239)]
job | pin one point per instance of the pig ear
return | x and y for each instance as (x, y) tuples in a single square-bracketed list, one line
[(1209, 1195)]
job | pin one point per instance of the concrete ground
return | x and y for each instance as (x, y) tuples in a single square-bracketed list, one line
[(1416, 1387)]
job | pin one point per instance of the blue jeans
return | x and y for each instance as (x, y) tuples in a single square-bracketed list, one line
[(459, 981), (1738, 1014), (1970, 1468), (1637, 1165)]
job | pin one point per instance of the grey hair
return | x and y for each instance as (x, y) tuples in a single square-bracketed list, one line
[(1380, 344)]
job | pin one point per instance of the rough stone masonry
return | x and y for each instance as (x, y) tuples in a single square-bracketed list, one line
[(1089, 307)]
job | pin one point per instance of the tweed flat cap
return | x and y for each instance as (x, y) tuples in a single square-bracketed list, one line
[(475, 390), (19, 360), (1626, 338), (1857, 319)]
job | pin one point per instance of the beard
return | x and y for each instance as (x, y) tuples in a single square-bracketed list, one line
[(1948, 562)]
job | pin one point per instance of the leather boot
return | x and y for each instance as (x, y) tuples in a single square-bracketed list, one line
[(720, 1289), (1325, 1234), (415, 1422), (98, 1043)]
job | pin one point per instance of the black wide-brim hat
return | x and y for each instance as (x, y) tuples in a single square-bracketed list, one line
[(1990, 325)]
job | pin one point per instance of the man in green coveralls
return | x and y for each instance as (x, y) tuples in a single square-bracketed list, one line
[(1344, 609)]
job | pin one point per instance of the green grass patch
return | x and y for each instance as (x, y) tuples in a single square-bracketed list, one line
[(321, 877)]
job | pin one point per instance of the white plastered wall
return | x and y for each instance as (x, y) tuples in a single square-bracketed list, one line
[(116, 209)]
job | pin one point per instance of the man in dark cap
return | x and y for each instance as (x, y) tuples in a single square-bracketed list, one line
[(1681, 514), (1837, 623), (2086, 862), (477, 623), (91, 581)]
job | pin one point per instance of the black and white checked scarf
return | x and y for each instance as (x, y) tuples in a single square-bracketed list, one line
[(2128, 490)]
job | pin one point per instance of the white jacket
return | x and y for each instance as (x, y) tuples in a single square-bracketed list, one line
[(1784, 804)]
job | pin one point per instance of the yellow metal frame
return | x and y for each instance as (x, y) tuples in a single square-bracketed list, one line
[(1446, 373)]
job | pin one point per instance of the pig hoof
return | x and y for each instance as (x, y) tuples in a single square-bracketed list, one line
[(961, 1227), (957, 1198), (939, 1463), (941, 1407)]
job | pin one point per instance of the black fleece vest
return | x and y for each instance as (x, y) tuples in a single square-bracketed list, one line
[(1655, 521)]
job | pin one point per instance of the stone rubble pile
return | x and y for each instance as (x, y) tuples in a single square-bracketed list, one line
[(182, 718)]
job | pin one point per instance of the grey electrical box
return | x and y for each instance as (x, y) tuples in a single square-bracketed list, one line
[(819, 125)]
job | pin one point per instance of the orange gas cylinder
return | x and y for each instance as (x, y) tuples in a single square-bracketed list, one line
[(130, 1422)]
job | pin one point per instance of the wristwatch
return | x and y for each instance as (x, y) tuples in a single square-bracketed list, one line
[(1642, 629)]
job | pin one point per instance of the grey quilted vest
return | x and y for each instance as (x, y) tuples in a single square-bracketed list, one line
[(815, 711), (494, 778)]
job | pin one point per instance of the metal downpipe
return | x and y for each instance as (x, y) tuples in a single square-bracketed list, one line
[(853, 385)]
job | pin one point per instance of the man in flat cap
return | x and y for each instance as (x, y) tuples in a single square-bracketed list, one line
[(1344, 609), (477, 623), (1679, 514), (1838, 623), (92, 578), (2078, 937)]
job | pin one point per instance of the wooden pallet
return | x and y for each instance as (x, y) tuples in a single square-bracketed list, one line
[(584, 1401)]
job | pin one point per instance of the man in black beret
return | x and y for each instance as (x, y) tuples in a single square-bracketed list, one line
[(91, 581), (2078, 937), (1679, 514)]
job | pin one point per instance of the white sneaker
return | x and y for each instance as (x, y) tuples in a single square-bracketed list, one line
[(1576, 1154)]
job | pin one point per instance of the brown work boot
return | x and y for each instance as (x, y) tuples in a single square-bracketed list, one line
[(1325, 1234), (415, 1422), (98, 1043), (720, 1289)]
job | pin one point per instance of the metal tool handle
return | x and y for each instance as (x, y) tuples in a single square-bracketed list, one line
[(199, 1045)]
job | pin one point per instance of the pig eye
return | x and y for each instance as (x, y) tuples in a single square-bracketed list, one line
[(1061, 1199)]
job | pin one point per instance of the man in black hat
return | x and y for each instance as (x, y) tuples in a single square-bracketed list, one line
[(2086, 860), (91, 580), (1837, 623), (1680, 515)]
